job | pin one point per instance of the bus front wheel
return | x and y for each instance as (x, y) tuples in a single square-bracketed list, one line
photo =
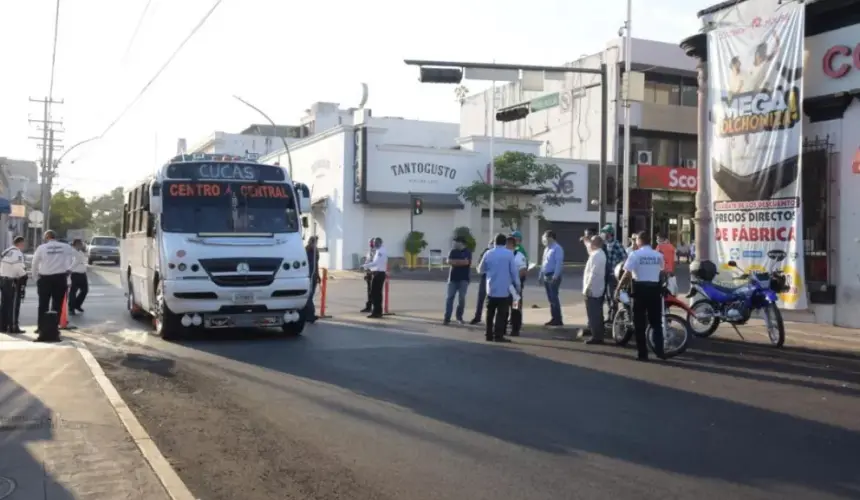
[(167, 324)]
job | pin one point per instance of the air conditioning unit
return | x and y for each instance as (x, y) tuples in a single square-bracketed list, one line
[(644, 158), (690, 163)]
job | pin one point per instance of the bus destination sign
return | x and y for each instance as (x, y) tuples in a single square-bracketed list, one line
[(216, 171), (217, 189)]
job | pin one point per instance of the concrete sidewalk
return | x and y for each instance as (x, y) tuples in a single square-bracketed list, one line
[(66, 434), (800, 335)]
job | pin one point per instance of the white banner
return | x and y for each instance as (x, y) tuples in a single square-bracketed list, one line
[(755, 58)]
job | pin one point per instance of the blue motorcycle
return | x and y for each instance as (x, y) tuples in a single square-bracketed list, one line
[(735, 305)]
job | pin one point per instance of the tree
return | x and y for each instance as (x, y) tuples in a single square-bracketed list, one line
[(69, 211), (460, 93), (107, 212), (523, 185)]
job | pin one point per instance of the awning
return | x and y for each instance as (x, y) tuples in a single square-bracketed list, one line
[(5, 206), (404, 200)]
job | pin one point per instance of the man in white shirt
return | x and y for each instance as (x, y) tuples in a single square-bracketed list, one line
[(13, 281), (378, 266), (80, 284), (644, 268), (594, 289), (52, 263)]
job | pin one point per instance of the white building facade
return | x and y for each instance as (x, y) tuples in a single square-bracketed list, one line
[(363, 177), (663, 128), (831, 159)]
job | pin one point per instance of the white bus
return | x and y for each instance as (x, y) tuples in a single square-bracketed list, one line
[(214, 241)]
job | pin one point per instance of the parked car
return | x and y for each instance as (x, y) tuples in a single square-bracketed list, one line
[(103, 249)]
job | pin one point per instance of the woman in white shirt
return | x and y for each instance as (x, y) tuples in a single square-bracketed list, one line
[(80, 283)]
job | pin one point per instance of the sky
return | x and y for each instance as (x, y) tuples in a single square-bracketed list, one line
[(280, 56)]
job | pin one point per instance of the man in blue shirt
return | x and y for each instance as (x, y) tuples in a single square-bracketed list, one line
[(502, 275), (550, 276), (460, 260)]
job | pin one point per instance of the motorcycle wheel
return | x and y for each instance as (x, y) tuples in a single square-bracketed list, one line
[(707, 328), (775, 326), (622, 326), (674, 342)]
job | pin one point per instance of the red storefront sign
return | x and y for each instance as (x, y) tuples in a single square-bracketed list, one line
[(668, 178), (839, 59)]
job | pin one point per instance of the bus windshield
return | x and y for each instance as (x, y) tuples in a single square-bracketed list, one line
[(228, 207)]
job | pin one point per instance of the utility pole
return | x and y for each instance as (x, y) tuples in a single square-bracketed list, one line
[(48, 143)]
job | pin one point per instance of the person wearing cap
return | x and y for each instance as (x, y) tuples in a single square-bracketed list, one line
[(460, 262), (615, 254), (368, 276), (518, 236)]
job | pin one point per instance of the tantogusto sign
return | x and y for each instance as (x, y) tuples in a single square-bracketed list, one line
[(423, 169)]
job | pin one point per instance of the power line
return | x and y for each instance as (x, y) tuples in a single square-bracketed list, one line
[(54, 52), (163, 67), (136, 30)]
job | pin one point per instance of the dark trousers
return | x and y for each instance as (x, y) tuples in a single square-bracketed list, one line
[(52, 291), (497, 316), (10, 304), (648, 310), (368, 278), (482, 296), (377, 285), (517, 312), (79, 290), (310, 308)]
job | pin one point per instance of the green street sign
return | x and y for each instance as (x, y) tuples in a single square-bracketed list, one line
[(544, 102)]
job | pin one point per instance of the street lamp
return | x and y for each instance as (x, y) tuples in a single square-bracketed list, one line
[(272, 123), (453, 72)]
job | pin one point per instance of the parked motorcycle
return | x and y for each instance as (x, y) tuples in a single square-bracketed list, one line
[(676, 329), (735, 305)]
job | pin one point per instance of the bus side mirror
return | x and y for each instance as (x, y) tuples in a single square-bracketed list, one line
[(305, 222), (303, 195)]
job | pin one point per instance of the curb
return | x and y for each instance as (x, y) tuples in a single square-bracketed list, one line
[(173, 485)]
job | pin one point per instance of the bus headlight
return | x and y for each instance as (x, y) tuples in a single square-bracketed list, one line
[(182, 267)]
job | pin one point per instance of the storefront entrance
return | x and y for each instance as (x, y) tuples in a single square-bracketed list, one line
[(672, 216)]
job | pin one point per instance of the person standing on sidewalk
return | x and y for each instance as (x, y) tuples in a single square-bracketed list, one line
[(13, 281), (518, 236), (377, 267), (460, 262), (368, 277), (482, 288), (550, 276), (313, 256), (522, 268), (52, 262), (594, 289), (644, 267), (502, 275), (80, 284)]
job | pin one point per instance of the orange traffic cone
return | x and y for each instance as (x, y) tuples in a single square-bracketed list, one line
[(64, 312)]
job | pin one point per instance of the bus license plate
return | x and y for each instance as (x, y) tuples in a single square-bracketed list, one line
[(243, 298)]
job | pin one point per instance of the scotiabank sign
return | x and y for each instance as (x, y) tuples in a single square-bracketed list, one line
[(668, 178), (833, 62)]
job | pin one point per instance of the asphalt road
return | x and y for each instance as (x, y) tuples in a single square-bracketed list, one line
[(356, 411)]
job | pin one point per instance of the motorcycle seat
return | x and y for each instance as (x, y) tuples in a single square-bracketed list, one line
[(727, 289)]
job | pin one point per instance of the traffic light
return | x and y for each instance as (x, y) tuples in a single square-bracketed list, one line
[(513, 113), (417, 206), (440, 75)]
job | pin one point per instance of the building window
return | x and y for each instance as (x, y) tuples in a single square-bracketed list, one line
[(611, 191), (689, 96), (664, 93), (689, 152)]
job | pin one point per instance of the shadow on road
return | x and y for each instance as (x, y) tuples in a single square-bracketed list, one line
[(560, 408)]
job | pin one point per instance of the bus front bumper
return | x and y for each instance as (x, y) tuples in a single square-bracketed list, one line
[(206, 298)]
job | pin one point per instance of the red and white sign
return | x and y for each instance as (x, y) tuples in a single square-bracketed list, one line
[(855, 165), (832, 62), (668, 178)]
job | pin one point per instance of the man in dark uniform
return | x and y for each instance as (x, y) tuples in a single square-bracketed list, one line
[(644, 267), (13, 282), (368, 277), (314, 269)]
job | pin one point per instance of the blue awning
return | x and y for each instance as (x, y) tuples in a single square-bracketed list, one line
[(5, 206)]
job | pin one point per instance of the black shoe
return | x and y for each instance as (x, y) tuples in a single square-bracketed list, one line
[(489, 339), (16, 331), (642, 358), (376, 316), (515, 334), (80, 310), (502, 340), (594, 340), (553, 323), (446, 322), (365, 310)]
